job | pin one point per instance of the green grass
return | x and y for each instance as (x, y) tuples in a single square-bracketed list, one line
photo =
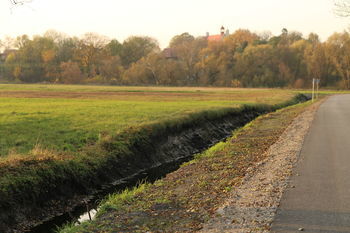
[(60, 122), (69, 124), (56, 144), (197, 189)]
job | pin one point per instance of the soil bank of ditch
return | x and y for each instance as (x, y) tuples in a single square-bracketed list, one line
[(34, 189)]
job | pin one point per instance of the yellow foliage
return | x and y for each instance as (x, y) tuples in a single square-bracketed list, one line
[(48, 55)]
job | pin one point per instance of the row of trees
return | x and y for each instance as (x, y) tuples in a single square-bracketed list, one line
[(242, 59)]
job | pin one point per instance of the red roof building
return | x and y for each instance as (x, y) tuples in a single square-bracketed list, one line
[(218, 37)]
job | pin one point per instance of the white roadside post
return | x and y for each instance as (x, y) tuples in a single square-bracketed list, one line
[(313, 89)]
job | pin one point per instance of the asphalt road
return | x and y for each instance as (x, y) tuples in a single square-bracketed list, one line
[(318, 199)]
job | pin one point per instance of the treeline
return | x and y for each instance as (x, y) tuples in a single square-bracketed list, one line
[(241, 59)]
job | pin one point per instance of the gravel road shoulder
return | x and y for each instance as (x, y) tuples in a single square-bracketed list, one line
[(252, 206)]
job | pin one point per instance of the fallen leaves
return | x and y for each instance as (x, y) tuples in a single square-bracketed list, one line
[(194, 192)]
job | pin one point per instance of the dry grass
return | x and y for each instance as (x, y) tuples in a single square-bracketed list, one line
[(38, 153)]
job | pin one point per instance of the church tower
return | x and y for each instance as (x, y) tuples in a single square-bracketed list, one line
[(222, 31)]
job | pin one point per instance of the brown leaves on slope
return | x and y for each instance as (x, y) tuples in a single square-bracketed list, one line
[(186, 198)]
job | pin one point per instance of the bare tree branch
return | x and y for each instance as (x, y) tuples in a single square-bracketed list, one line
[(342, 8), (19, 2)]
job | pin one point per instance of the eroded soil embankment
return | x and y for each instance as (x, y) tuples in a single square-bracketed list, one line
[(70, 181)]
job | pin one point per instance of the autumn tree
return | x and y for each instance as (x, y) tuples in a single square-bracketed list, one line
[(288, 38), (114, 48), (264, 37), (318, 61), (171, 72), (258, 66), (145, 71), (12, 68), (218, 58), (338, 46), (31, 57), (136, 47), (21, 41), (67, 49), (214, 64), (6, 45), (71, 73), (243, 59), (297, 63), (55, 36), (89, 53), (239, 40), (187, 49), (111, 70)]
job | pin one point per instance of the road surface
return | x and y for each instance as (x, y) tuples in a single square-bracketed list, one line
[(318, 199)]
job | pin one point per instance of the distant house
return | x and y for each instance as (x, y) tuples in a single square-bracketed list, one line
[(218, 37), (169, 53)]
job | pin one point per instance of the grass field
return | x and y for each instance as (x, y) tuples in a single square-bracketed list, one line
[(60, 141), (67, 117)]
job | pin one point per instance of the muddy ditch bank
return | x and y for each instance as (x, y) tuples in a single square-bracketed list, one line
[(39, 191)]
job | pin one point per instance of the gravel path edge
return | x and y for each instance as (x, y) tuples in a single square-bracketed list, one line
[(252, 206)]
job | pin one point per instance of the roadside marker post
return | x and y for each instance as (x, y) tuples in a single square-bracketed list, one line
[(313, 89), (317, 82)]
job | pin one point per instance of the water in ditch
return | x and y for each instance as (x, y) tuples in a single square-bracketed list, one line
[(87, 211)]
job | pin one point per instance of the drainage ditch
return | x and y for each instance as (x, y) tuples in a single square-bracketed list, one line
[(175, 149)]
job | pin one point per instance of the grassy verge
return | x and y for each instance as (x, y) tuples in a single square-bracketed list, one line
[(184, 199)]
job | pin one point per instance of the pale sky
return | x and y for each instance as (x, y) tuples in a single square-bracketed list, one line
[(162, 19)]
